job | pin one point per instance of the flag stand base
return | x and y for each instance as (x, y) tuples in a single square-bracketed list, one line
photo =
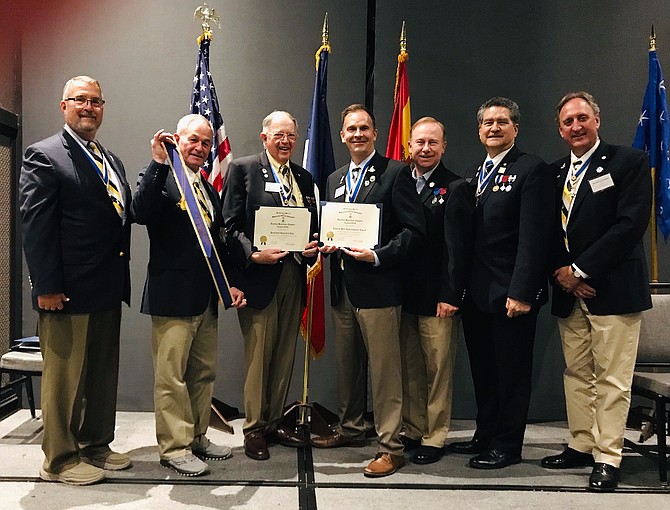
[(310, 417), (221, 413)]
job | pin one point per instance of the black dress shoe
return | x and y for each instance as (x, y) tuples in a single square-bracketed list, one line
[(475, 445), (409, 443), (604, 478), (494, 459), (255, 446), (427, 454), (570, 458), (286, 437)]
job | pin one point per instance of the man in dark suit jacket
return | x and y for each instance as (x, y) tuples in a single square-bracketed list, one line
[(601, 285), (74, 201), (433, 292), (366, 292), (181, 297), (275, 279), (508, 284)]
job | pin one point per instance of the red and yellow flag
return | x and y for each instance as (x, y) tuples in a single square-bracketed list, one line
[(398, 141)]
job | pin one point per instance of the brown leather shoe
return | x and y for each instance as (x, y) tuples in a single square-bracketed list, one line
[(336, 440), (384, 464), (255, 446), (286, 437)]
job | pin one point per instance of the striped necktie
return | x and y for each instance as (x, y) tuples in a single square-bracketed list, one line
[(569, 190), (202, 202), (112, 190), (287, 186)]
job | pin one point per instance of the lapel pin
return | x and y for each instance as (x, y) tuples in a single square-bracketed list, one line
[(372, 178), (599, 169)]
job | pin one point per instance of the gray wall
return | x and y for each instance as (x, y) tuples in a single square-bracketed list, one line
[(144, 51)]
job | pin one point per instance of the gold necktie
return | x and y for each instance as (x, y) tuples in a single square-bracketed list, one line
[(202, 203), (112, 190)]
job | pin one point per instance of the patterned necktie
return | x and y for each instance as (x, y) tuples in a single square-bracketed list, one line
[(112, 190), (287, 186), (484, 178), (202, 203), (569, 190)]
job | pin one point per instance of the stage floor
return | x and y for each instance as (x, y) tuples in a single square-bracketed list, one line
[(311, 478)]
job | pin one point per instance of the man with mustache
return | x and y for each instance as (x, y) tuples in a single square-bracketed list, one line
[(513, 224)]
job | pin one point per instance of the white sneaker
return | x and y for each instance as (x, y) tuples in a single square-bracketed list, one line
[(210, 451)]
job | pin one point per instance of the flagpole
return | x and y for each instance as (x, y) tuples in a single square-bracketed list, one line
[(652, 220)]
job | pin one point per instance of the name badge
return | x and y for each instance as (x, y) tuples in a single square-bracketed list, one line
[(601, 183), (339, 191), (273, 187)]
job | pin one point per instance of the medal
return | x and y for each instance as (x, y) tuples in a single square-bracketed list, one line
[(495, 188)]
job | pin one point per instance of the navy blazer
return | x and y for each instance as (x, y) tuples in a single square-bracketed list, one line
[(605, 232), (73, 238), (244, 189), (440, 267), (513, 233), (389, 183), (179, 282)]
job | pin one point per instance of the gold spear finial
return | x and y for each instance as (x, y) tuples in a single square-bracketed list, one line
[(403, 39), (652, 39), (325, 36), (207, 15)]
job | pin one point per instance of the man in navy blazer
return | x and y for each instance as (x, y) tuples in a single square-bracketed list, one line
[(433, 292), (74, 201), (601, 285), (275, 279), (366, 292), (513, 225), (181, 297)]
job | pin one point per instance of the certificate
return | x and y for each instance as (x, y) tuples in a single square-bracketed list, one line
[(286, 228), (350, 225)]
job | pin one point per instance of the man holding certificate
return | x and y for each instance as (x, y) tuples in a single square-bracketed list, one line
[(275, 273), (366, 288)]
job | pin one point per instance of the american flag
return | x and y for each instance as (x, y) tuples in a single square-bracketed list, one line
[(205, 102)]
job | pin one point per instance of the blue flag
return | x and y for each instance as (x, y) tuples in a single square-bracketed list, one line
[(320, 162), (653, 136)]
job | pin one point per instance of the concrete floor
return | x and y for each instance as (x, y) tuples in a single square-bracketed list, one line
[(311, 479)]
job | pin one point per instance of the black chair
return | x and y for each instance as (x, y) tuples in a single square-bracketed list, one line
[(651, 378), (22, 363)]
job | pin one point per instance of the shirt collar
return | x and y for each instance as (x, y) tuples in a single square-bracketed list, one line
[(353, 165), (79, 139), (497, 159), (426, 175), (276, 164), (584, 157)]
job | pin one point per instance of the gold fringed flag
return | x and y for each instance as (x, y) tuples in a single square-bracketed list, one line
[(398, 141)]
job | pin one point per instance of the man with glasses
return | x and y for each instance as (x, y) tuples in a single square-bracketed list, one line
[(275, 279), (74, 201)]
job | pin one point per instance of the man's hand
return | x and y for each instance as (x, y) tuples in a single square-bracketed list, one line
[(445, 310), (584, 290), (52, 301), (312, 248), (360, 254), (327, 250), (516, 307), (239, 300), (268, 256), (158, 154), (566, 278)]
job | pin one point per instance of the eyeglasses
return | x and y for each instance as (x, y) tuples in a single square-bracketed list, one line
[(96, 102), (292, 137)]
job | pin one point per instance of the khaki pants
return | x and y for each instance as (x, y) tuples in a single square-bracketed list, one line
[(369, 335), (600, 352), (79, 383), (428, 349), (184, 355), (269, 349)]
